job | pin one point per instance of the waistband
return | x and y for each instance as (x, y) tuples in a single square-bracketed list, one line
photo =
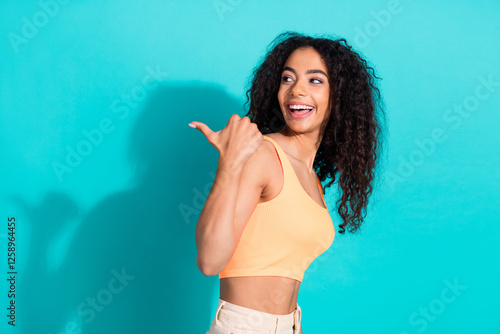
[(250, 318)]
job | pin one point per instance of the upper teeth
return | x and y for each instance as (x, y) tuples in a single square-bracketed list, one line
[(299, 106)]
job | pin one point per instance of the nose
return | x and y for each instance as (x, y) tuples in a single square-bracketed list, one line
[(298, 89)]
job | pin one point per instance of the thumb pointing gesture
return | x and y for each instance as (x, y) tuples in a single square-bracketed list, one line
[(207, 132), (237, 141)]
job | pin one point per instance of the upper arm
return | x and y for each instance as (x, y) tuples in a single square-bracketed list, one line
[(254, 178)]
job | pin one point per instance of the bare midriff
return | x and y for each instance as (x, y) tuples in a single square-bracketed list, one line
[(270, 294)]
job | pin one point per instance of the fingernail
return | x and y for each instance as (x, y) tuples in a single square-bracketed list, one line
[(192, 125)]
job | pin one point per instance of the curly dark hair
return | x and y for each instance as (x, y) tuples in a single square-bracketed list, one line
[(351, 141)]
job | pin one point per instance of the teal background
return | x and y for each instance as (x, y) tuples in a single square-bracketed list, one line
[(86, 68)]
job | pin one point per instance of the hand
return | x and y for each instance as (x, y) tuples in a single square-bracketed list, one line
[(237, 141)]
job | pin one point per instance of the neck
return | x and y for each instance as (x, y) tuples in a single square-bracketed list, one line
[(301, 146)]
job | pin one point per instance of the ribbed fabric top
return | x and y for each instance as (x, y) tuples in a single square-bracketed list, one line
[(285, 234)]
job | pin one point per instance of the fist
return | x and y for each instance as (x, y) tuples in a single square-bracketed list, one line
[(237, 141)]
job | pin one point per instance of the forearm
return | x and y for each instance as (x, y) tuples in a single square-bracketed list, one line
[(215, 233)]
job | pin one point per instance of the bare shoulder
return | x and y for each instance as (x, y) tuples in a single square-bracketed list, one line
[(258, 165), (264, 171)]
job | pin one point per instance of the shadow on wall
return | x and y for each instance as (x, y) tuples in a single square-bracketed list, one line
[(130, 266)]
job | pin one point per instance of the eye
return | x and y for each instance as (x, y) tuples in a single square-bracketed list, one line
[(284, 78), (319, 81)]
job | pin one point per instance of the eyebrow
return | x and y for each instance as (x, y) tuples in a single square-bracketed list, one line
[(307, 72)]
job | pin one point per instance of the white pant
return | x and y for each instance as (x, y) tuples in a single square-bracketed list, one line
[(234, 319)]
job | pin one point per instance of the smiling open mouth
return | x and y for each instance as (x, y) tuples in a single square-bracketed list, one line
[(299, 109)]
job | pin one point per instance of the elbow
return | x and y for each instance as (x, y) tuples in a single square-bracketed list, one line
[(207, 268)]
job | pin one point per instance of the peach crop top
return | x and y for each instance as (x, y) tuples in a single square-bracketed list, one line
[(285, 234)]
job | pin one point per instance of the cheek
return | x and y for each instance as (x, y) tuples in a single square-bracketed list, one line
[(281, 94), (325, 97)]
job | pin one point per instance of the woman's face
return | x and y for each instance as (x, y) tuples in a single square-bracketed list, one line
[(304, 91)]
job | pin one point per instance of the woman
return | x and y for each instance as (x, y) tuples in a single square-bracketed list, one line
[(312, 115)]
